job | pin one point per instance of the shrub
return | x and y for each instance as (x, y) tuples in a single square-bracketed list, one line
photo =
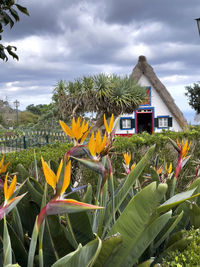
[(190, 256)]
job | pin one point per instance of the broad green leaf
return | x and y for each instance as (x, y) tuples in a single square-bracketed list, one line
[(55, 242), (83, 256), (17, 224), (109, 246), (176, 200), (135, 225), (145, 263), (35, 191), (185, 207), (22, 9), (88, 195), (169, 227), (81, 224), (33, 244), (23, 174), (194, 215), (7, 250), (124, 190), (154, 175), (18, 248), (14, 13), (13, 265)]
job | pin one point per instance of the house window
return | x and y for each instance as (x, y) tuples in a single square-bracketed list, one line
[(163, 122), (126, 123)]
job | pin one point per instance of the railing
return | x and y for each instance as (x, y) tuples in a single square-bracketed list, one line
[(11, 142)]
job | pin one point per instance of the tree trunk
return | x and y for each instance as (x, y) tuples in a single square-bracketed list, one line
[(99, 122)]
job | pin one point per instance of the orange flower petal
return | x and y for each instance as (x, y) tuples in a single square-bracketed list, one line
[(6, 188), (59, 171), (104, 142), (2, 160), (66, 129), (105, 123), (170, 168), (85, 135), (127, 158), (67, 177), (49, 174), (111, 124), (133, 166), (12, 187), (4, 167), (92, 145), (178, 144)]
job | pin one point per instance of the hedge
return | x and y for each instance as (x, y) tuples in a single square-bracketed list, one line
[(136, 144)]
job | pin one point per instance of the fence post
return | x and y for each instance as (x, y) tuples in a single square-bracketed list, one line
[(47, 139), (24, 140)]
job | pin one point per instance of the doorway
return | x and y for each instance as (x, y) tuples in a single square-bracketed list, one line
[(144, 121)]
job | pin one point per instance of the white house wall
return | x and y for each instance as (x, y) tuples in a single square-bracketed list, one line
[(160, 109)]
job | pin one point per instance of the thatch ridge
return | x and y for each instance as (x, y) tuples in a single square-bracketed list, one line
[(143, 68)]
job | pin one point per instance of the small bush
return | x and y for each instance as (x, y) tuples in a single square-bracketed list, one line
[(190, 256)]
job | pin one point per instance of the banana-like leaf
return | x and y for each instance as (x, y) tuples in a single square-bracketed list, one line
[(194, 215), (136, 226), (7, 250), (83, 256), (35, 195), (154, 175), (33, 244), (17, 224), (88, 195), (81, 225), (125, 188), (176, 200), (109, 246), (13, 265), (23, 174), (185, 207), (145, 263), (167, 229), (18, 248)]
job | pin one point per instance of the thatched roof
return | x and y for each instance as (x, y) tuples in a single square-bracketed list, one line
[(143, 68)]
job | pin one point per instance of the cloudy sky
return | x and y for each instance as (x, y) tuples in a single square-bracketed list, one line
[(66, 39)]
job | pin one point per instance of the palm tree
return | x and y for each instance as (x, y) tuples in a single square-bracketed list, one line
[(103, 94)]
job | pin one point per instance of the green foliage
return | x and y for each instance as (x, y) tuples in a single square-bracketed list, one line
[(137, 145), (99, 93), (26, 117), (9, 15), (137, 220), (187, 257), (193, 94), (49, 152)]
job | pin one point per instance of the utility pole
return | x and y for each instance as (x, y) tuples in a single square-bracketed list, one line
[(16, 103)]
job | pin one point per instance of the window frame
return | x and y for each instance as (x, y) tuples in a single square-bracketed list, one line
[(126, 118), (163, 117)]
